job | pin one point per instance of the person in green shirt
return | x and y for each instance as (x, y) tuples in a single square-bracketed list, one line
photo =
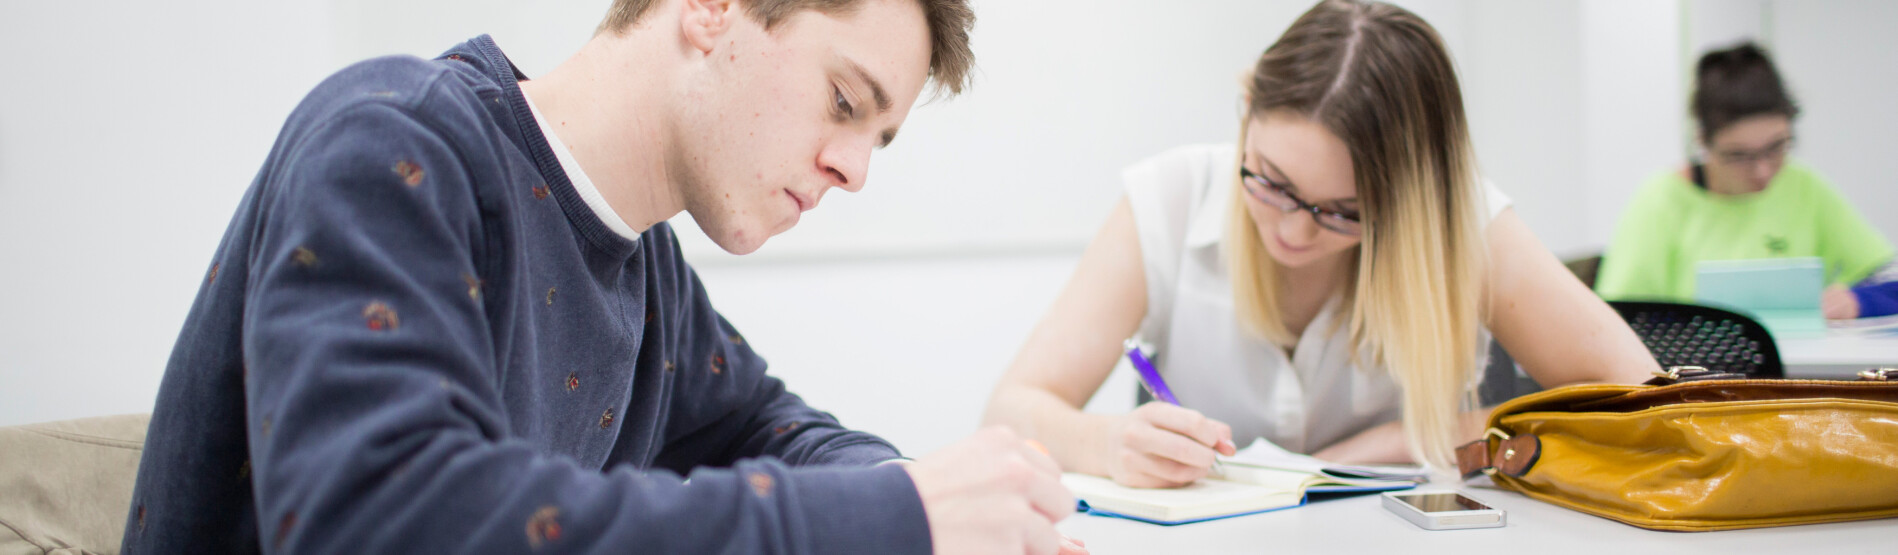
[(1744, 199)]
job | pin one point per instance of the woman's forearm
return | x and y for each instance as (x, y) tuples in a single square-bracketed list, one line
[(1387, 444), (1073, 437)]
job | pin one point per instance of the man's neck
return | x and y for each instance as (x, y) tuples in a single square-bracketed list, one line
[(605, 104)]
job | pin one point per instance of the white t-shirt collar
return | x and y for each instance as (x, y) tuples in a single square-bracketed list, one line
[(581, 183)]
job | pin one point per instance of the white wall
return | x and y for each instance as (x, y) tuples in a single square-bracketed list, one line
[(1048, 74), (1722, 23), (141, 125), (1632, 107), (1522, 80), (128, 132), (1066, 94), (1837, 58), (906, 350)]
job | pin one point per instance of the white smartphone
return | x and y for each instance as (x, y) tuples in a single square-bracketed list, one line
[(1442, 510)]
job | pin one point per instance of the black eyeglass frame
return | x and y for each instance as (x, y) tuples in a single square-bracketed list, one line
[(1330, 220), (1741, 158)]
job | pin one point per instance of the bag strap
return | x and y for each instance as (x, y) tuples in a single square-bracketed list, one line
[(1682, 374), (1512, 455)]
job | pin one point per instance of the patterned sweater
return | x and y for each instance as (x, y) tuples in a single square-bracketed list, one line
[(416, 337)]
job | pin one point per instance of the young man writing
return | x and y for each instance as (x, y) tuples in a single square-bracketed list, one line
[(448, 315)]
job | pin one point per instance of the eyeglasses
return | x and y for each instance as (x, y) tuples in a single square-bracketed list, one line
[(1275, 195), (1771, 152)]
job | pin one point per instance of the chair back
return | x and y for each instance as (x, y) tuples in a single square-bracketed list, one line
[(1695, 335)]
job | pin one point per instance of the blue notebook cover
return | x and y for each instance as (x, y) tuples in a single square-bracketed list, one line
[(1321, 492)]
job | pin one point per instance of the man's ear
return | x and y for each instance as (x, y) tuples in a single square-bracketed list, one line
[(704, 21)]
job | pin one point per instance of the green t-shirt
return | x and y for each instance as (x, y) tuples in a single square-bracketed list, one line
[(1672, 225)]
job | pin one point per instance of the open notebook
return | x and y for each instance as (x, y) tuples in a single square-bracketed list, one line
[(1257, 480)]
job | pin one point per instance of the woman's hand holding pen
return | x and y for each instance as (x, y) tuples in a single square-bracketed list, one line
[(1163, 446)]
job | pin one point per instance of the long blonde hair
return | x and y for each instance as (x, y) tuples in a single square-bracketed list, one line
[(1380, 79)]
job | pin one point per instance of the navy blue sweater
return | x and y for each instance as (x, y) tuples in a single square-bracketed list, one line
[(416, 338)]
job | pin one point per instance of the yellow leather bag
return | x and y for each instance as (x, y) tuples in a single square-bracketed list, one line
[(1699, 454)]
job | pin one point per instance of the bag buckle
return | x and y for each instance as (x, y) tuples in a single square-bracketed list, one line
[(1673, 373), (1512, 455), (1500, 436), (1678, 374)]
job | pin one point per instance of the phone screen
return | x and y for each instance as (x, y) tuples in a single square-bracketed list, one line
[(1441, 502)]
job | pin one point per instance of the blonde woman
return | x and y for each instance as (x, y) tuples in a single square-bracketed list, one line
[(1325, 284)]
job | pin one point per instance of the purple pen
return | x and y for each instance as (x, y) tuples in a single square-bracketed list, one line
[(1149, 377)]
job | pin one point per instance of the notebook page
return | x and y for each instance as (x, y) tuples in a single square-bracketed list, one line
[(1262, 453), (1201, 499)]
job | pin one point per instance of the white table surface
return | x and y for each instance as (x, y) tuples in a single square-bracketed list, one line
[(1837, 355), (1361, 525)]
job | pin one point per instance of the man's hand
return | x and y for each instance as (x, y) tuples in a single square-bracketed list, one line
[(1071, 546), (993, 493)]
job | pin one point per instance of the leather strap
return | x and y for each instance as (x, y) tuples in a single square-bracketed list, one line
[(1513, 456), (1519, 454), (1473, 458)]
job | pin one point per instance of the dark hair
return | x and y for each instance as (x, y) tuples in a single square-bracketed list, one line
[(1736, 83)]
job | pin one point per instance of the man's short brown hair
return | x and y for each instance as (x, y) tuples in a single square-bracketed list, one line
[(950, 58)]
